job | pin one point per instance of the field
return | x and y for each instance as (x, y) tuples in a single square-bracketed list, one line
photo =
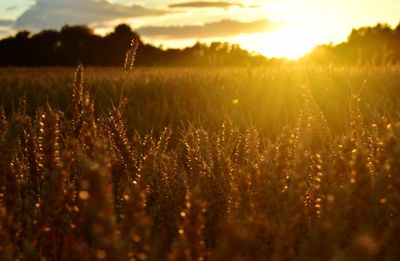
[(290, 163)]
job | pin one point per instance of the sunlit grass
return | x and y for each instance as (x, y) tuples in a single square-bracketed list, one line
[(200, 164)]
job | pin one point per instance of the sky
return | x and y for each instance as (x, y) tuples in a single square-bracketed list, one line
[(275, 28)]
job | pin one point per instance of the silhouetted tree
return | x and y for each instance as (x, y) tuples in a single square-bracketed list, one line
[(45, 48), (74, 44), (375, 45)]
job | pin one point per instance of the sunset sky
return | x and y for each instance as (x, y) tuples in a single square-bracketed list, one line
[(287, 28)]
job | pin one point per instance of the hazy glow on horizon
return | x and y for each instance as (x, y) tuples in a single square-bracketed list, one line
[(302, 24)]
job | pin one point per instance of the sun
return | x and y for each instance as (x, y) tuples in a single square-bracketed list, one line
[(290, 42)]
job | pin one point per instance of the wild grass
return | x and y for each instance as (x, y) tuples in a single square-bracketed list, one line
[(200, 164)]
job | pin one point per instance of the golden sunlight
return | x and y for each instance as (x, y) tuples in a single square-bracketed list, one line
[(288, 42)]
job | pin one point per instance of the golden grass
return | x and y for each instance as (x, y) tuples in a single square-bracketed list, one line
[(217, 164)]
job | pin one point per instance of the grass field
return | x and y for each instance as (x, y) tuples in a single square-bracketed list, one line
[(283, 163)]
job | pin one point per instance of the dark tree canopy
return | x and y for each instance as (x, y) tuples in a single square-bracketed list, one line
[(365, 46), (78, 44)]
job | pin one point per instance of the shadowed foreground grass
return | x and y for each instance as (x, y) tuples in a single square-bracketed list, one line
[(200, 164)]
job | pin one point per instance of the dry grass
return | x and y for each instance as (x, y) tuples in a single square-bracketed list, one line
[(238, 164)]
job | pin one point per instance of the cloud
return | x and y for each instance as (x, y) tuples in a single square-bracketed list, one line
[(56, 13), (224, 28), (6, 22), (4, 33), (11, 8), (254, 6), (202, 4)]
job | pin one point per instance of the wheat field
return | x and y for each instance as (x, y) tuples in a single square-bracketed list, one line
[(290, 163)]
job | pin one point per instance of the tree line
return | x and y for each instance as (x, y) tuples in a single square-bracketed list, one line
[(79, 44), (71, 45), (372, 45)]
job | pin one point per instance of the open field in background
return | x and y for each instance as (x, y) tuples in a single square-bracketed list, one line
[(200, 164), (265, 98)]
